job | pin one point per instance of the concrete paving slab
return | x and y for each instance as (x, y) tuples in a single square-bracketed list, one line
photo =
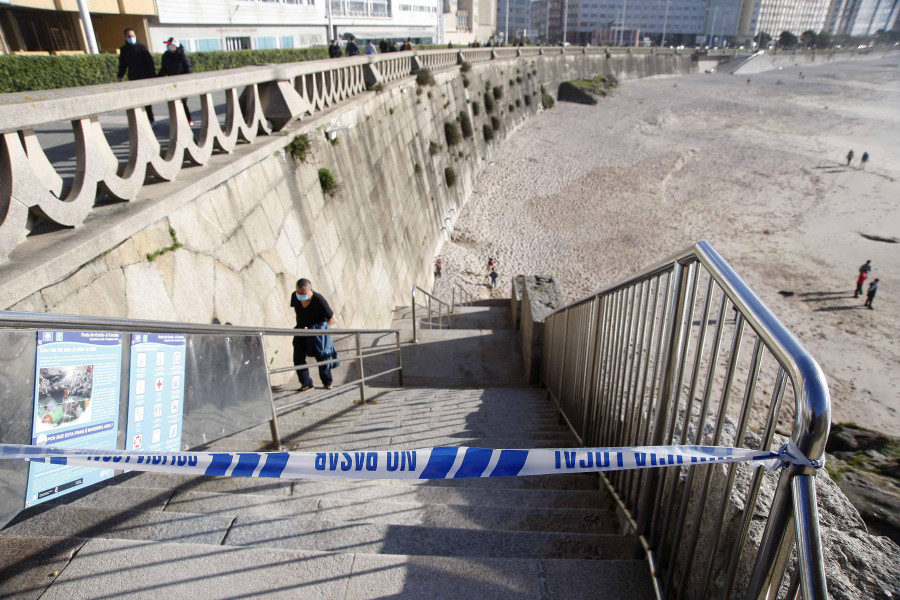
[(275, 487), (149, 570), (613, 579), (29, 564), (117, 497), (438, 578), (77, 522), (335, 536)]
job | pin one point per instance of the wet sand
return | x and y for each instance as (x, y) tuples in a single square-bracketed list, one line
[(591, 195)]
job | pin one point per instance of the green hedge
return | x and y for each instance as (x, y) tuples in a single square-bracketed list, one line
[(25, 73)]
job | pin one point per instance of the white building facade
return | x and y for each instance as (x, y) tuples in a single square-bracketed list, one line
[(208, 25)]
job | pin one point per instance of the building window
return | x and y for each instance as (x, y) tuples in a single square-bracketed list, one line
[(237, 43), (265, 42), (207, 45), (287, 41)]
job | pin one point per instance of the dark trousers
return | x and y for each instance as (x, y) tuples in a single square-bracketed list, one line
[(300, 345), (858, 291), (869, 297)]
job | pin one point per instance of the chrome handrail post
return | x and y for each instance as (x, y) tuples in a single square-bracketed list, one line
[(811, 562), (399, 359), (359, 364), (273, 424), (453, 299), (777, 541), (415, 338)]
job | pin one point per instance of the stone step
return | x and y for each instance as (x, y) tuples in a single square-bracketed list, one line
[(503, 518), (124, 568), (306, 533)]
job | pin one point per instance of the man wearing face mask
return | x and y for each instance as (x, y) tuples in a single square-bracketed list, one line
[(176, 62), (313, 312), (137, 61)]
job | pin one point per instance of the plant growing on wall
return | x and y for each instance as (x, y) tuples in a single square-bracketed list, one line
[(451, 132), (476, 109), (465, 82), (328, 181), (527, 100), (495, 123), (425, 77), (376, 87), (498, 92), (488, 132), (418, 169), (488, 103), (547, 101), (175, 246), (511, 108), (450, 176), (433, 148), (465, 124), (465, 67), (299, 146)]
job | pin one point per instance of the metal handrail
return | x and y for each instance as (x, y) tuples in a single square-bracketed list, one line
[(23, 320), (466, 298), (600, 351), (441, 314)]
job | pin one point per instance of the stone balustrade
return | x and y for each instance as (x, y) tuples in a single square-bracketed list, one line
[(259, 101)]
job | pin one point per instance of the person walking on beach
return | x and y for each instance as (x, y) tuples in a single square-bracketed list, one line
[(863, 274), (864, 160), (849, 157), (175, 62), (136, 60), (494, 277), (870, 295), (313, 312), (491, 264)]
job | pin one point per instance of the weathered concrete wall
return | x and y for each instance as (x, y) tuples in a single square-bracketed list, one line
[(747, 65), (249, 235), (541, 295)]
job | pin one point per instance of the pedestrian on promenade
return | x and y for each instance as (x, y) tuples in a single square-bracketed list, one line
[(864, 160), (352, 48), (863, 274), (870, 295), (370, 48), (849, 157), (383, 45), (393, 47), (408, 45), (494, 277), (334, 49), (176, 62), (136, 60), (313, 312)]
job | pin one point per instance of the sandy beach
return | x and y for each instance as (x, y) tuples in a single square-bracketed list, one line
[(591, 194)]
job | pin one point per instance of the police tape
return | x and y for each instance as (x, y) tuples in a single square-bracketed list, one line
[(427, 463)]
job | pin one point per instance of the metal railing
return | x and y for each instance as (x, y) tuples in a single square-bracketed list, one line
[(677, 355), (443, 311), (465, 298), (35, 321)]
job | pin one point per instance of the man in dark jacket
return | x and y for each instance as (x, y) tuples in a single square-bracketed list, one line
[(334, 49), (352, 48), (137, 61), (176, 62)]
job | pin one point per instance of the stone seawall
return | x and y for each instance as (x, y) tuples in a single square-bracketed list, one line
[(248, 234)]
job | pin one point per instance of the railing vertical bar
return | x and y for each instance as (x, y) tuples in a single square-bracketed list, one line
[(627, 367), (720, 422), (688, 411), (698, 434), (627, 402), (399, 358), (621, 360), (753, 492), (692, 272), (606, 328), (645, 400), (359, 365), (587, 434), (653, 398), (273, 424), (752, 378), (634, 380), (621, 374), (674, 326), (608, 417)]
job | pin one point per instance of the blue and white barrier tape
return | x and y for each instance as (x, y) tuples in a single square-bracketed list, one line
[(428, 463)]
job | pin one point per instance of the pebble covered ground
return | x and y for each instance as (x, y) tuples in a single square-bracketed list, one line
[(592, 194)]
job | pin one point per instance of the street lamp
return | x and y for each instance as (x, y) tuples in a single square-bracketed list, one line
[(88, 27), (665, 23), (506, 25), (622, 35)]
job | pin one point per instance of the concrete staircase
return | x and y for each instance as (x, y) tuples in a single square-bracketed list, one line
[(150, 535)]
